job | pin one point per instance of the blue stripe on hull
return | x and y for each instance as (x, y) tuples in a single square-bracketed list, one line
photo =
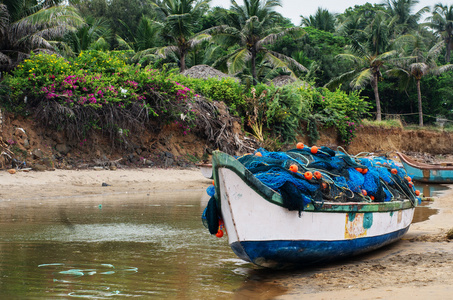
[(280, 254)]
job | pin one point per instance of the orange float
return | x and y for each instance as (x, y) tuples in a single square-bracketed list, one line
[(364, 192), (300, 146), (314, 150), (308, 175), (417, 192), (360, 170), (258, 154), (394, 171), (317, 175), (293, 168)]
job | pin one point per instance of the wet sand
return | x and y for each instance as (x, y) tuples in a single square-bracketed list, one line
[(420, 266)]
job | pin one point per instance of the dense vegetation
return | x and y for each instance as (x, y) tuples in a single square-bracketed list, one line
[(118, 72)]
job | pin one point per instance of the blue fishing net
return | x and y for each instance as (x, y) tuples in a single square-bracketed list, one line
[(344, 178)]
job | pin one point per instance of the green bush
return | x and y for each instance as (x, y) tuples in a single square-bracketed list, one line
[(96, 90), (227, 90)]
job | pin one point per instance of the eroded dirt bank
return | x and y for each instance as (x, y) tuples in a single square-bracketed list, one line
[(40, 148)]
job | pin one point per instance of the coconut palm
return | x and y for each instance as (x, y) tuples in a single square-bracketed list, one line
[(322, 20), (32, 32), (368, 59), (249, 29), (442, 22), (402, 11), (415, 63), (95, 35), (181, 20)]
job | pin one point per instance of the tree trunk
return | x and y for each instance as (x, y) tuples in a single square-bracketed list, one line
[(182, 62), (420, 109), (254, 68), (374, 82), (447, 54)]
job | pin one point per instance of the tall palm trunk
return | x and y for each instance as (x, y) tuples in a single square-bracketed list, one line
[(182, 62), (253, 59), (374, 84), (420, 109), (449, 43)]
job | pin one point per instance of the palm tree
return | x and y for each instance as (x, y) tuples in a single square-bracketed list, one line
[(181, 19), (402, 11), (95, 35), (368, 59), (322, 20), (249, 29), (417, 64), (34, 31), (442, 22)]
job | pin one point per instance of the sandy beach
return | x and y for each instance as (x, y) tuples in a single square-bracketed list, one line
[(418, 267)]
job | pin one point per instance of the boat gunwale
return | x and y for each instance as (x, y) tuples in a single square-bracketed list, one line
[(223, 160), (422, 166)]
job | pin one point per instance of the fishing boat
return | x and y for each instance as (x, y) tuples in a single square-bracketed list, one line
[(206, 170), (429, 173), (261, 230)]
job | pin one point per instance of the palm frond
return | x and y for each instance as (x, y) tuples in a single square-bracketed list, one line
[(288, 60), (337, 81), (361, 79), (237, 60)]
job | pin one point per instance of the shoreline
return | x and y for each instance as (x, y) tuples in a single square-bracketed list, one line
[(67, 183), (418, 266)]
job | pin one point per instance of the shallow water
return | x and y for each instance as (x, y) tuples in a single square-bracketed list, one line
[(128, 245)]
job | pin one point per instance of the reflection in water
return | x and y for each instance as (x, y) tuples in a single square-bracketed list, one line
[(152, 246)]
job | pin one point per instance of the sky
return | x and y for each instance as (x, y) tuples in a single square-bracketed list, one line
[(293, 9)]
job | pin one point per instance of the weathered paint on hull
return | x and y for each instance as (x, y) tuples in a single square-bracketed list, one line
[(281, 254), (428, 175), (270, 235)]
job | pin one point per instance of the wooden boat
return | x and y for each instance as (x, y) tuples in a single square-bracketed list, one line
[(260, 230), (430, 173), (206, 170)]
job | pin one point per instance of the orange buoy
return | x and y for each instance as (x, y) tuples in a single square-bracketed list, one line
[(394, 171), (314, 150), (300, 145), (308, 175), (219, 233), (258, 154), (417, 192), (364, 171), (364, 192), (324, 185), (410, 184), (409, 179), (317, 175), (372, 198), (360, 170), (293, 168)]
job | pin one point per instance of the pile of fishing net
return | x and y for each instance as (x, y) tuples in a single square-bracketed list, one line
[(312, 175)]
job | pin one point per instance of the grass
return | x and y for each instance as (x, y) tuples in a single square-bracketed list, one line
[(394, 123)]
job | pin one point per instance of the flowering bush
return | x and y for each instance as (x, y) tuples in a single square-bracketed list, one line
[(97, 88)]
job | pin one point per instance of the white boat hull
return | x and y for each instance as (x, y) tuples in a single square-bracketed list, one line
[(270, 235)]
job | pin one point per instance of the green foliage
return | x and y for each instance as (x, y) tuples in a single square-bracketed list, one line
[(337, 109), (284, 109), (227, 90), (96, 91)]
